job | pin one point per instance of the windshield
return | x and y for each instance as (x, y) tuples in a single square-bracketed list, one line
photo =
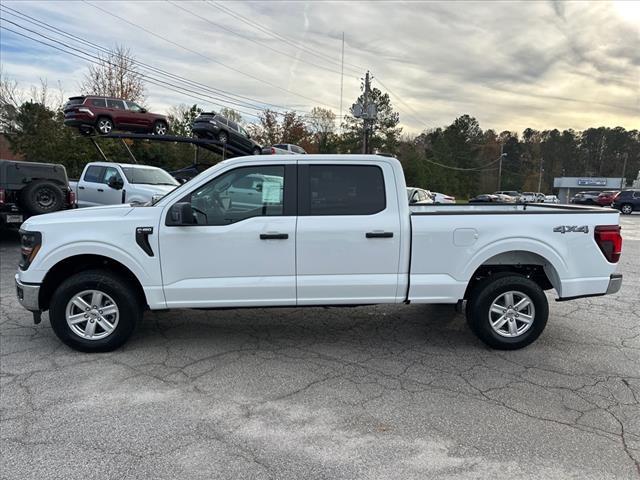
[(148, 176)]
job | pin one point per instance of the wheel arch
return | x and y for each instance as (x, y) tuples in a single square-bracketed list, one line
[(78, 263)]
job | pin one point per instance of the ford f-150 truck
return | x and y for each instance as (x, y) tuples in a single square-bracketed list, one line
[(311, 230), (106, 183)]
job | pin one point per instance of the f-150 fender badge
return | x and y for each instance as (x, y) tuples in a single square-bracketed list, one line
[(571, 229)]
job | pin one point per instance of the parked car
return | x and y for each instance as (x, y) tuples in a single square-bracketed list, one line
[(106, 183), (419, 196), (585, 198), (529, 197), (105, 114), (439, 198), (605, 199), (30, 188), (551, 199), (284, 149), (508, 196), (347, 237), (215, 126), (627, 201), (485, 198)]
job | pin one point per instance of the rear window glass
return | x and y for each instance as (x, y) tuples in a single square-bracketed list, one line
[(94, 174), (346, 190), (75, 101)]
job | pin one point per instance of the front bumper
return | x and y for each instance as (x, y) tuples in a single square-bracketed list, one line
[(28, 295)]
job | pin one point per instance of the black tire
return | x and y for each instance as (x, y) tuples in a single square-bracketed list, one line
[(223, 137), (41, 197), (129, 310), (626, 209), (257, 151), (491, 290), (104, 125), (160, 128)]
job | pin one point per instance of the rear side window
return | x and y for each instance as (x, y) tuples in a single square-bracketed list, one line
[(346, 190), (233, 125), (98, 102), (119, 104), (94, 174), (221, 120), (283, 147)]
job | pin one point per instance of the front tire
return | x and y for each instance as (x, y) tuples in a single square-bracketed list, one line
[(94, 311), (627, 209), (507, 312), (160, 128)]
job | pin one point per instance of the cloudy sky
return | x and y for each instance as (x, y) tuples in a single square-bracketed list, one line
[(512, 65)]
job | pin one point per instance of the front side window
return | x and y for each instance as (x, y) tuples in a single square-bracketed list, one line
[(233, 125), (636, 194), (134, 107), (243, 132), (239, 194), (110, 172), (94, 174), (346, 190), (117, 104)]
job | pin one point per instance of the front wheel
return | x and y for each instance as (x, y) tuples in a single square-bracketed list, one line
[(94, 311), (160, 128), (507, 312)]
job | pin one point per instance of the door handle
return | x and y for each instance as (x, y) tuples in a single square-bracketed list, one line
[(100, 190), (274, 236), (81, 188), (379, 234)]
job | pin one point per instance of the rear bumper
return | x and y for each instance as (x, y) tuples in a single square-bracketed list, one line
[(615, 282), (28, 295)]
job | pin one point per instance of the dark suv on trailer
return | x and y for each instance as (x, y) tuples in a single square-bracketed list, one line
[(215, 126), (106, 114), (627, 201)]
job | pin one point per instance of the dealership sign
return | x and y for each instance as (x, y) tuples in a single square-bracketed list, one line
[(592, 182)]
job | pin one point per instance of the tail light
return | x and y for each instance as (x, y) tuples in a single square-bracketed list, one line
[(609, 240), (1, 196), (273, 151), (616, 195), (71, 198), (30, 244)]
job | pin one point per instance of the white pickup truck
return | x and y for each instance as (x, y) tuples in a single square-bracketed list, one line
[(311, 230), (106, 183)]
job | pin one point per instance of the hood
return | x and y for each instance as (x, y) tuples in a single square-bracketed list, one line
[(78, 215), (151, 190)]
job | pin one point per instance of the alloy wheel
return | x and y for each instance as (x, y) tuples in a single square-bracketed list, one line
[(105, 126), (92, 315), (511, 314)]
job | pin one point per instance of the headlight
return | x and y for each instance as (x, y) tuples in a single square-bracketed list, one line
[(30, 244)]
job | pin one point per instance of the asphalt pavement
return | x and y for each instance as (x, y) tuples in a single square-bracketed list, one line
[(403, 392)]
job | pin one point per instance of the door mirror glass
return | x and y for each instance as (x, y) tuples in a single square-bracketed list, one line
[(143, 110), (181, 213)]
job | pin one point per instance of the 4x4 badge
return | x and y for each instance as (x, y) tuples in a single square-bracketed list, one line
[(571, 228)]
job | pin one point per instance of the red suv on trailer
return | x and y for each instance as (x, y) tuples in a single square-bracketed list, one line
[(106, 114)]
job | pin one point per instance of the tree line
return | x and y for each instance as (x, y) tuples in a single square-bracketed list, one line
[(460, 159)]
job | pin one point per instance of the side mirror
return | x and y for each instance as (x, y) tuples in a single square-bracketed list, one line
[(115, 183), (143, 110), (259, 187), (180, 213)]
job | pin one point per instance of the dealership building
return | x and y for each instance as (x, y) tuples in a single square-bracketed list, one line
[(568, 186)]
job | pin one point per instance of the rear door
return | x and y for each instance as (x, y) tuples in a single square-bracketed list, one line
[(119, 114), (348, 234)]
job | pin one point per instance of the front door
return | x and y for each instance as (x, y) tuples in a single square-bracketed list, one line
[(236, 255), (348, 234)]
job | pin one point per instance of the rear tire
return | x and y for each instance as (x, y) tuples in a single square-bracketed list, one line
[(102, 327), (626, 209), (257, 151), (41, 197), (160, 128), (507, 312), (223, 138)]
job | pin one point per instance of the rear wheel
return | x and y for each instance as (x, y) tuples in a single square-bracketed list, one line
[(257, 151), (104, 125), (507, 312), (223, 137), (42, 197), (627, 209), (94, 311)]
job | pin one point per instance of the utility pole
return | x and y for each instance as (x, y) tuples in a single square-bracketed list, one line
[(540, 176), (500, 167), (624, 169), (341, 81), (365, 124)]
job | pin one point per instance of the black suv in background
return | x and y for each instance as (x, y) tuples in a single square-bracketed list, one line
[(215, 126), (30, 188), (627, 201)]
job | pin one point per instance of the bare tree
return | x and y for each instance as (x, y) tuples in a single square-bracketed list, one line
[(231, 114), (115, 75), (322, 124)]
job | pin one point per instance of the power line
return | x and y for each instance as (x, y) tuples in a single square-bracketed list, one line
[(475, 169), (266, 82)]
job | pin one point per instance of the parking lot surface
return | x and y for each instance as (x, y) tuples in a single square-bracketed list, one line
[(371, 392)]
